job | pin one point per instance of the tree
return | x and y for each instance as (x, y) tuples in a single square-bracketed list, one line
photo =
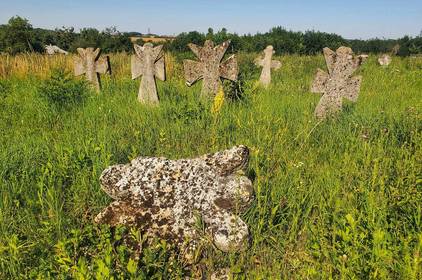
[(17, 36), (64, 37)]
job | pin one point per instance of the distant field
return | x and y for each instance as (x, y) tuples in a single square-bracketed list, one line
[(340, 199)]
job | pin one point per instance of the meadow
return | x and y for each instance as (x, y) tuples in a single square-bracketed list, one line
[(338, 199)]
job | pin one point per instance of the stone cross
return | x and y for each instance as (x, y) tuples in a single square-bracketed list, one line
[(338, 83), (384, 60), (92, 65), (267, 64), (209, 67), (52, 50), (148, 62), (164, 198)]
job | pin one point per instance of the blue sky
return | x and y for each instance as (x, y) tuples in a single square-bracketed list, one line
[(351, 19)]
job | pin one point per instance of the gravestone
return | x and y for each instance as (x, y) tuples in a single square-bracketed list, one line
[(267, 64), (165, 198), (384, 60), (148, 62), (210, 67), (338, 83), (92, 65), (52, 50)]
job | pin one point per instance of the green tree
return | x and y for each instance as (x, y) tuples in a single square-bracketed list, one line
[(17, 36), (64, 37)]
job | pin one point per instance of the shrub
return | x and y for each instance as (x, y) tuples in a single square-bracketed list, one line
[(5, 88), (62, 91)]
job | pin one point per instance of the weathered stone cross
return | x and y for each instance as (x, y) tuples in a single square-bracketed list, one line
[(267, 64), (338, 83), (148, 61), (164, 198), (92, 65), (209, 67), (52, 50)]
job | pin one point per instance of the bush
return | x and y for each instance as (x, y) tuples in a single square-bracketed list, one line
[(5, 88), (62, 91)]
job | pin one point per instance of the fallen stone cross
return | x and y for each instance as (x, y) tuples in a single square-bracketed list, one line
[(148, 62), (209, 68), (164, 198), (52, 50), (92, 65), (267, 64), (338, 83)]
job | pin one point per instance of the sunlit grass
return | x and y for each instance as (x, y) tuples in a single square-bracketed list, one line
[(338, 199)]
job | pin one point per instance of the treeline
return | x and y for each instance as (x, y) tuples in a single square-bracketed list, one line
[(304, 43), (18, 35)]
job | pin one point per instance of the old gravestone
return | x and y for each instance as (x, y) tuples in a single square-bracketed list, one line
[(90, 63), (210, 67), (384, 60), (52, 50), (148, 62), (267, 64), (164, 198), (338, 83)]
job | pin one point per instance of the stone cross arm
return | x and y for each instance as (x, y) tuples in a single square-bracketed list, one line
[(139, 61), (275, 64), (194, 70), (90, 58), (350, 90)]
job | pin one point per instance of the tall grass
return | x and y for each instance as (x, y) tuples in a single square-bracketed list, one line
[(339, 199)]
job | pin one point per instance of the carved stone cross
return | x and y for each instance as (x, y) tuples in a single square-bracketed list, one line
[(209, 68), (148, 62), (267, 64), (92, 65), (338, 83), (52, 50), (164, 198), (384, 60)]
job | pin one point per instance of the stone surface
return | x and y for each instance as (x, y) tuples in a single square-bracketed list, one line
[(148, 62), (338, 83), (210, 67), (166, 198), (267, 64), (90, 63), (52, 50), (384, 60)]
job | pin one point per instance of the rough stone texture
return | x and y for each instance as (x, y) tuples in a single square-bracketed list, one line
[(209, 67), (384, 60), (267, 64), (92, 65), (148, 62), (338, 83), (165, 198), (52, 50)]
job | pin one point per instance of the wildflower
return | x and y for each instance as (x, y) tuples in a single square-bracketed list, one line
[(218, 102)]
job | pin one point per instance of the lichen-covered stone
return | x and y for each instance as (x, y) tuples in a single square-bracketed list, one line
[(209, 67), (52, 50), (148, 62), (338, 83), (267, 64), (90, 63), (384, 60), (165, 198)]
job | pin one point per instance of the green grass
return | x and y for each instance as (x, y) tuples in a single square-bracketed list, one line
[(340, 199)]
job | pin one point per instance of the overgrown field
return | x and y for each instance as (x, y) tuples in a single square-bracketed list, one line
[(340, 199)]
